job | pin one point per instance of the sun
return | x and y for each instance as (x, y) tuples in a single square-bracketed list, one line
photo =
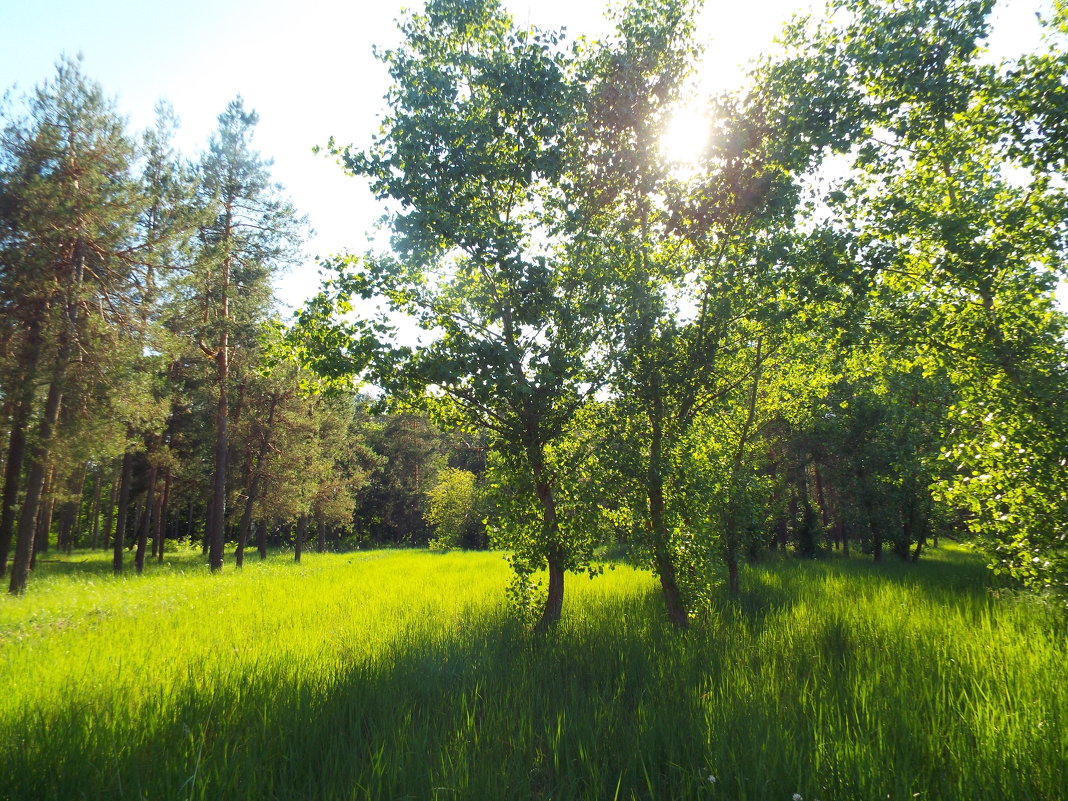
[(684, 141)]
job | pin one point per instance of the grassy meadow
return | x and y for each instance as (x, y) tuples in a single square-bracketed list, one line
[(403, 675)]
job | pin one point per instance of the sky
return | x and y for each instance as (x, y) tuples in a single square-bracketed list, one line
[(307, 68)]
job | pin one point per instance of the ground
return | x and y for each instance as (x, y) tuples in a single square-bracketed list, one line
[(404, 674)]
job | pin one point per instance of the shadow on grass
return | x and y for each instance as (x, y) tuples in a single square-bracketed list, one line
[(611, 705)]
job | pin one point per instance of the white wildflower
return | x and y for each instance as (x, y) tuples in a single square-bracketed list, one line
[(711, 779)]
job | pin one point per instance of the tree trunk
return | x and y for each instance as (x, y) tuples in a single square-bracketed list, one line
[(44, 518), (39, 466), (161, 516), (261, 539), (821, 498), (921, 538), (41, 454), (16, 445), (206, 536), (113, 499), (320, 542), (94, 509), (119, 540), (302, 526), (68, 513), (554, 599), (144, 525), (222, 365), (665, 566), (733, 585), (254, 486)]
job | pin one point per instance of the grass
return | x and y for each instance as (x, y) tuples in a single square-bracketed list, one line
[(401, 675)]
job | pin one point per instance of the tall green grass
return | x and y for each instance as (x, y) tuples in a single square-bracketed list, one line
[(402, 675)]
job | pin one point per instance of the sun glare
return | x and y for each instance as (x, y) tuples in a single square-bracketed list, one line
[(685, 138)]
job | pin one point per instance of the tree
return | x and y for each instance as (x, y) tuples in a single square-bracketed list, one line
[(452, 508), (706, 272), (473, 154), (70, 202), (253, 233), (957, 201)]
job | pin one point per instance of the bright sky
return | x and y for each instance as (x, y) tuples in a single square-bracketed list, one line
[(308, 70)]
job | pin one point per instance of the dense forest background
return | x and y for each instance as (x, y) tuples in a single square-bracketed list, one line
[(837, 331)]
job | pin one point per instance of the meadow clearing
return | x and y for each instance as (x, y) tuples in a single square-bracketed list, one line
[(404, 675)]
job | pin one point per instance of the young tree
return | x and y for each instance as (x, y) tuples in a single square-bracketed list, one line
[(473, 155)]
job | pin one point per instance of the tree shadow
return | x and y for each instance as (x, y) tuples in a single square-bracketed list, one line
[(612, 704)]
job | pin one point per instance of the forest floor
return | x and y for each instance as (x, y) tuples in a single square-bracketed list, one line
[(404, 675)]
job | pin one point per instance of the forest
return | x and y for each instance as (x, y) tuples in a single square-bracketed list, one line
[(821, 367)]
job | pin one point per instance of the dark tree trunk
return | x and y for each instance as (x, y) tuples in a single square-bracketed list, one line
[(876, 535), (161, 516), (68, 513), (298, 545), (733, 585), (222, 364), (144, 525), (209, 513), (261, 539), (554, 599), (821, 498), (113, 499), (665, 565), (254, 486), (44, 519), (39, 467), (320, 541), (16, 445), (41, 455), (921, 538), (119, 539), (94, 509)]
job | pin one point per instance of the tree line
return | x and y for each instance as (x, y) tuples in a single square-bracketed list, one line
[(136, 395)]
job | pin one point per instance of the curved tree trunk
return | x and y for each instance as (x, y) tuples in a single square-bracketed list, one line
[(554, 600)]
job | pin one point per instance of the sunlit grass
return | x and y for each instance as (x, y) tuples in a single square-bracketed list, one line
[(401, 674)]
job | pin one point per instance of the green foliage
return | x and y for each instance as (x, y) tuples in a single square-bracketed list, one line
[(452, 508), (957, 204)]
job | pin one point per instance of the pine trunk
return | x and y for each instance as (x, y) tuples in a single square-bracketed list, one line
[(161, 516), (44, 519), (35, 483), (16, 445), (93, 524), (119, 539), (217, 538), (144, 525), (298, 546)]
